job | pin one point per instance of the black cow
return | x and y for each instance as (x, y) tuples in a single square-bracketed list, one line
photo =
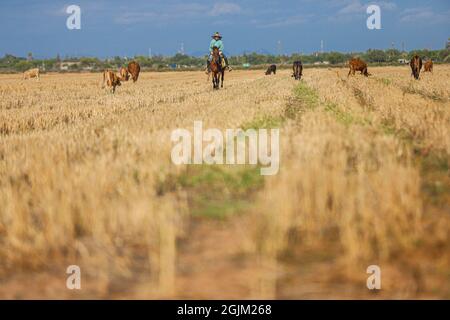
[(298, 70), (271, 69)]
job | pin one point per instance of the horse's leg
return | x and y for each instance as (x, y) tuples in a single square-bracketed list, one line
[(223, 76), (216, 81)]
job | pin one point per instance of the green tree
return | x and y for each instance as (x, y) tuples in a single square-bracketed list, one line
[(375, 55)]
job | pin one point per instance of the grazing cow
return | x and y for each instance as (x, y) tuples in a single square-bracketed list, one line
[(428, 66), (416, 66), (271, 69), (111, 80), (32, 73), (297, 68), (124, 74), (356, 64), (134, 68)]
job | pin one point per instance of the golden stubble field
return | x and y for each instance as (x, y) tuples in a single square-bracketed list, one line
[(86, 179)]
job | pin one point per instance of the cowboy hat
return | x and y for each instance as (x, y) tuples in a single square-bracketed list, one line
[(217, 34)]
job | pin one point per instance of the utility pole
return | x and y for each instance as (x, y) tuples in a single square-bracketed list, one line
[(279, 48), (182, 49), (392, 49), (321, 46)]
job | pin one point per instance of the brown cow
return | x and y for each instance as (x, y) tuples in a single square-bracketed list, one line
[(32, 73), (111, 80), (356, 64), (416, 66), (134, 68), (428, 66), (124, 74)]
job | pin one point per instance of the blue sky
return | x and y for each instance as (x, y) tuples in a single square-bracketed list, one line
[(128, 28)]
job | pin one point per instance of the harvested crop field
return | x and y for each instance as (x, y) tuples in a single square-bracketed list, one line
[(86, 179)]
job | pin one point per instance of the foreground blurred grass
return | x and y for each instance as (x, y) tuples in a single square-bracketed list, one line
[(219, 191)]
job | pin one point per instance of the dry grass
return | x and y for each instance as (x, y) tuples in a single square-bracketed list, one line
[(86, 178), (352, 186)]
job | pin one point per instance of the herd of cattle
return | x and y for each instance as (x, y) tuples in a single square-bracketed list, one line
[(112, 79), (357, 64), (297, 70)]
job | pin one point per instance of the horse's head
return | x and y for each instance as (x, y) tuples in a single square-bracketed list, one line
[(215, 56)]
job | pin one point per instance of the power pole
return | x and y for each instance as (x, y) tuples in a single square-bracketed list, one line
[(321, 46), (279, 48), (182, 49)]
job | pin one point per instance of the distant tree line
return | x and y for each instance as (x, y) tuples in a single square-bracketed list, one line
[(371, 56), (10, 63)]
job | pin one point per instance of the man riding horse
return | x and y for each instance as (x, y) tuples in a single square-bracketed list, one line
[(216, 42)]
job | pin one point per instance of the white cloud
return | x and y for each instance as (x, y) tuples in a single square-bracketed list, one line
[(351, 9), (387, 5), (225, 8), (134, 17), (424, 14), (59, 10), (178, 12), (354, 6), (285, 22), (163, 15)]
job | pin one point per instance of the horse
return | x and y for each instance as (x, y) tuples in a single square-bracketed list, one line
[(216, 69), (297, 68)]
